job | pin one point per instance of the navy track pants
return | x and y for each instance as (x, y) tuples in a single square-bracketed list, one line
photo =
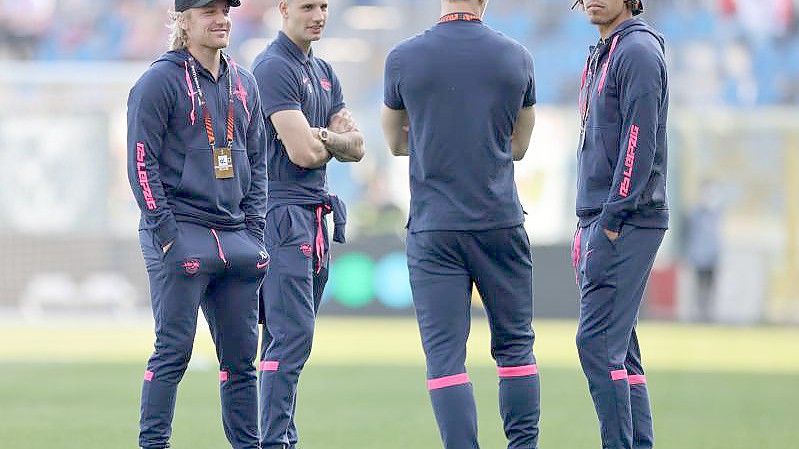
[(296, 237), (221, 272), (443, 266), (612, 277)]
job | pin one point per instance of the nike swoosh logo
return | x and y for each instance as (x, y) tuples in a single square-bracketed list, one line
[(262, 265)]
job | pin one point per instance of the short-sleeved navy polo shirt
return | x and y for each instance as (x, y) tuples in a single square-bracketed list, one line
[(463, 85), (289, 79)]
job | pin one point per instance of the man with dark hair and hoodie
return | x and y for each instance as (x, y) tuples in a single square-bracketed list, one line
[(197, 167), (622, 210)]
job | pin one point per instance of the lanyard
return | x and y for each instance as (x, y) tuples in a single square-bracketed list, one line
[(209, 124), (467, 16), (592, 67)]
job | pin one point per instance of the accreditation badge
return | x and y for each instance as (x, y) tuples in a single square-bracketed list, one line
[(223, 163)]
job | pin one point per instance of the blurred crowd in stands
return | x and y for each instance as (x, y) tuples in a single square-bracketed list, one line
[(723, 52)]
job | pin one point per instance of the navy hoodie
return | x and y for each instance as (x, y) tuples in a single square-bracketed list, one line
[(622, 159), (170, 165)]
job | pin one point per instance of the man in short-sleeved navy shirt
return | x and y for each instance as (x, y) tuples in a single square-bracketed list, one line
[(307, 125), (296, 81), (459, 101)]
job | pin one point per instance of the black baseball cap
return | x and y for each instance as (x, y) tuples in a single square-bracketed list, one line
[(183, 5)]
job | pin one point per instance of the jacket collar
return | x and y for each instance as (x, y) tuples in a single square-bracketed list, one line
[(295, 51)]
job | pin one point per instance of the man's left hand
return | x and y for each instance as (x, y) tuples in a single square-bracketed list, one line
[(342, 122)]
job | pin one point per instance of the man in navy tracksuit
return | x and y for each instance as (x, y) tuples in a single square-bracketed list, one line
[(197, 166), (459, 100), (622, 210), (307, 125)]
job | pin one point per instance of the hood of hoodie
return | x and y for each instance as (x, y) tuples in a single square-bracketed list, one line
[(176, 56), (175, 62), (635, 25), (180, 57)]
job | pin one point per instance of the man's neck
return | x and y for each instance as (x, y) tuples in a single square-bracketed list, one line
[(607, 29), (305, 46), (208, 57), (453, 7)]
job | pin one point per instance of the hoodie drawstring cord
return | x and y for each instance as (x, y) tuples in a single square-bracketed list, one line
[(193, 115)]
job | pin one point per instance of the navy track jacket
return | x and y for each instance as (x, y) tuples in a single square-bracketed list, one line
[(622, 160), (170, 165)]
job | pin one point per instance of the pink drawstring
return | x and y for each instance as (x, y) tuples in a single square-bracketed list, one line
[(607, 63), (192, 116), (320, 239), (219, 247)]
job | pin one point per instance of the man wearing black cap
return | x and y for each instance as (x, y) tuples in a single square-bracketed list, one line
[(622, 211), (197, 167)]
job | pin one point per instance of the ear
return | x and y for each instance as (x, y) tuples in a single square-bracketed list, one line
[(183, 20), (283, 7)]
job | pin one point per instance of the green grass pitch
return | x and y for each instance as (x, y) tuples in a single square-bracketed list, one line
[(77, 386)]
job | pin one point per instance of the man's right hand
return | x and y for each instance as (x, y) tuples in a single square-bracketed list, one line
[(166, 247)]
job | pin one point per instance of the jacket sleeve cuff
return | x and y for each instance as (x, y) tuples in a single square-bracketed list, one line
[(166, 232), (610, 222)]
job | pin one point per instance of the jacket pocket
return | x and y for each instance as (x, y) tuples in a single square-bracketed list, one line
[(200, 187), (596, 167), (197, 174), (231, 191)]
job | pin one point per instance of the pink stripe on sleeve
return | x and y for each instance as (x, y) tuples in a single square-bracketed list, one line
[(517, 371), (223, 376), (148, 376), (448, 381), (619, 374)]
